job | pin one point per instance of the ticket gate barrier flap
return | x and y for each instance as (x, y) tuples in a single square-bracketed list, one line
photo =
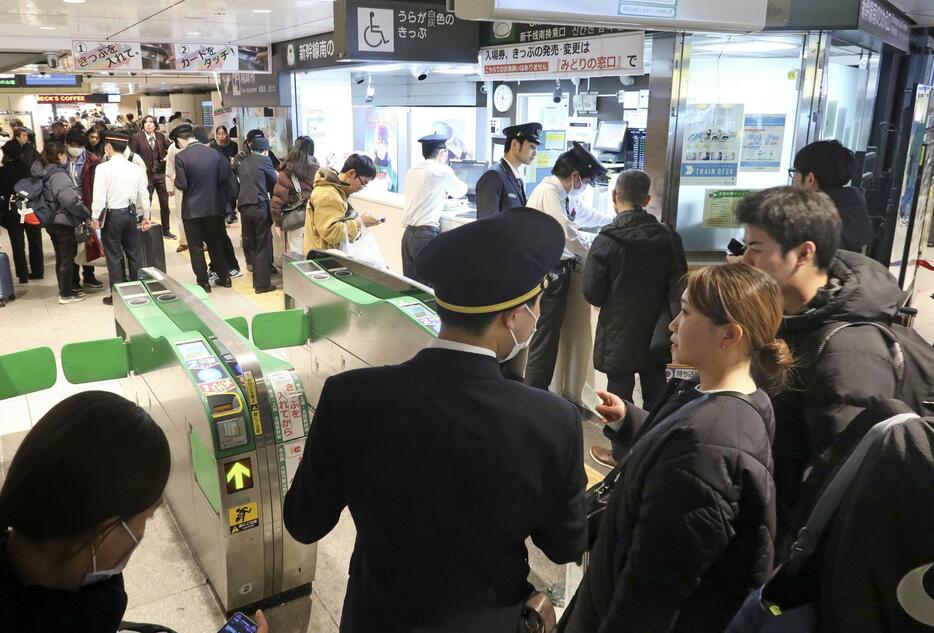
[(27, 371)]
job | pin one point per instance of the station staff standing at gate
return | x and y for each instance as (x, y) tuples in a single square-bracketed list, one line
[(462, 465), (501, 187), (120, 207), (572, 172), (427, 186)]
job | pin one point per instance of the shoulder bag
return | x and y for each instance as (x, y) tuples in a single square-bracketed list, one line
[(293, 212)]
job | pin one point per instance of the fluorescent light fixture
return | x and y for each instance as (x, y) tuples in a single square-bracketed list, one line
[(75, 1), (456, 70), (760, 46), (262, 10), (379, 68), (370, 91), (193, 33), (47, 28)]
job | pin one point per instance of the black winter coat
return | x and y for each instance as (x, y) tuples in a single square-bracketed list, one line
[(627, 275), (857, 227), (688, 530), (828, 391), (61, 194)]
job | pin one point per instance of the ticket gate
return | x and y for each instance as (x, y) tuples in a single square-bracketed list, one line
[(236, 420), (348, 315)]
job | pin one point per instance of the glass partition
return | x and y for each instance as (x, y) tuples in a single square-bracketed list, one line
[(738, 129), (852, 80)]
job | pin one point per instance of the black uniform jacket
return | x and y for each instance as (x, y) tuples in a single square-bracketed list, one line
[(202, 174), (498, 189), (257, 179), (447, 468)]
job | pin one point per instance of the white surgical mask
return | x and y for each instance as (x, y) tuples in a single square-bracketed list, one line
[(75, 152), (100, 575), (518, 347), (576, 191)]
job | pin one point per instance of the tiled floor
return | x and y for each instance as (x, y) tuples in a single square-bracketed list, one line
[(164, 583)]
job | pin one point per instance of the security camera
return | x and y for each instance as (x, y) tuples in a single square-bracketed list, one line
[(556, 95), (51, 60), (626, 80), (483, 89), (420, 73), (358, 78)]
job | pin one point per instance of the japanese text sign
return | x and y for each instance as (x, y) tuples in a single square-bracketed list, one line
[(619, 54)]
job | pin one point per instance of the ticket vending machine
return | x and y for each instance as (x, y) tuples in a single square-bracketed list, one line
[(236, 420), (347, 315)]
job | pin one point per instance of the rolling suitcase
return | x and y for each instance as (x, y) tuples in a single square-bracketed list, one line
[(153, 249), (7, 292)]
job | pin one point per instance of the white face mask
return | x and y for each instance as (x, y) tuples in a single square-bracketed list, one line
[(518, 347), (100, 575), (576, 191), (75, 152)]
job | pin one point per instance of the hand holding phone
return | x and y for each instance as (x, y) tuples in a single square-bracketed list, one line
[(239, 623), (736, 248)]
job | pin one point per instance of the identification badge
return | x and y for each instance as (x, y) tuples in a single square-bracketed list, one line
[(512, 195)]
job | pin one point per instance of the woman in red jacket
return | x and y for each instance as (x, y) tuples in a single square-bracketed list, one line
[(296, 178)]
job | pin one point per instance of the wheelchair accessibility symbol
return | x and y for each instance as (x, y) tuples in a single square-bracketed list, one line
[(375, 30)]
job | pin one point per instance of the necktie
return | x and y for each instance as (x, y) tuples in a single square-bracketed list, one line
[(152, 143)]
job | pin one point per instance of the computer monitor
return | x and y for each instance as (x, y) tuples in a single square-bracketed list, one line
[(469, 171), (610, 136)]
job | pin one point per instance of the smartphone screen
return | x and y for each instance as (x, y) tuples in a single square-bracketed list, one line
[(239, 623), (735, 247)]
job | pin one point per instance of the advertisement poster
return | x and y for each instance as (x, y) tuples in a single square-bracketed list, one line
[(763, 141), (617, 54), (107, 56), (381, 141), (720, 207), (712, 145), (458, 124)]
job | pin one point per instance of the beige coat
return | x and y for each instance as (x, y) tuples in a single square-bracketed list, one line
[(325, 223)]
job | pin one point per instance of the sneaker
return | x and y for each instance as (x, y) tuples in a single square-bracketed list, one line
[(212, 276), (76, 286), (603, 456), (71, 299), (235, 273), (24, 280), (93, 283), (181, 248), (260, 291), (109, 300), (169, 235), (80, 293)]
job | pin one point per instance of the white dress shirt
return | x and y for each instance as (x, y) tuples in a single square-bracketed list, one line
[(454, 346), (117, 183), (427, 186), (550, 197)]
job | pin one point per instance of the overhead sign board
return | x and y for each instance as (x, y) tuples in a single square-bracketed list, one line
[(662, 15), (619, 54), (308, 53), (881, 21), (61, 98), (91, 56)]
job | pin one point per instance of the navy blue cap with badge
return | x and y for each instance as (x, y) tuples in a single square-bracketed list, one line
[(587, 163), (434, 141), (526, 132), (184, 128), (493, 264)]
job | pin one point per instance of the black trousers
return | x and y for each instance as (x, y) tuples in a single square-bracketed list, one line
[(20, 235), (157, 184), (543, 350), (208, 231), (120, 239), (414, 239), (66, 247), (257, 242), (652, 381)]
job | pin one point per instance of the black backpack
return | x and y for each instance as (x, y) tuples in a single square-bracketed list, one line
[(29, 193), (914, 363)]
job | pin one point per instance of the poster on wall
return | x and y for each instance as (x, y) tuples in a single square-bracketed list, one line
[(381, 142), (458, 124), (712, 144), (720, 207), (763, 141), (107, 56)]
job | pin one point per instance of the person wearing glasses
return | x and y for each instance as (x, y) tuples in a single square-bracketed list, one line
[(326, 220)]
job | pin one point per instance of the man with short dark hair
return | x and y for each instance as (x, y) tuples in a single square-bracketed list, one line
[(82, 166), (326, 221), (828, 166), (57, 131), (634, 267), (257, 179), (793, 235), (152, 146), (501, 186), (572, 173), (201, 173), (506, 459)]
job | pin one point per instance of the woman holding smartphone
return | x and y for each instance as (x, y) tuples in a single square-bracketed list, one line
[(688, 528), (73, 509)]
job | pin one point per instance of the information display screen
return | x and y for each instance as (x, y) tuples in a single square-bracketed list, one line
[(610, 136), (469, 172), (193, 350)]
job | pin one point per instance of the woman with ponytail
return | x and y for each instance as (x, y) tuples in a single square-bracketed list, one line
[(689, 525)]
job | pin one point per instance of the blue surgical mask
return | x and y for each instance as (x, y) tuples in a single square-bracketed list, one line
[(100, 575)]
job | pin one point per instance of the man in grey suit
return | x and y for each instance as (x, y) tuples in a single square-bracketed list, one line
[(202, 174)]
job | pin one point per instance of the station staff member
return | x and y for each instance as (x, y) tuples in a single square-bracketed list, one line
[(571, 174), (446, 552), (427, 186), (501, 187), (120, 207)]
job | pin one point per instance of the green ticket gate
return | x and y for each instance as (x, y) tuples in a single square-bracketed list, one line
[(236, 420), (347, 315)]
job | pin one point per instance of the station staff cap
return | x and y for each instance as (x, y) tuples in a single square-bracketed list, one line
[(184, 128), (114, 135), (525, 132), (255, 133), (434, 141), (493, 264), (587, 163)]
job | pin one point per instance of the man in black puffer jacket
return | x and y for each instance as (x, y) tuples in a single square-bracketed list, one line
[(793, 235)]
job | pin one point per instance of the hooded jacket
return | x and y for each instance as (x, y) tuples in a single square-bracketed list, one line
[(325, 222), (627, 276), (61, 194), (829, 389), (284, 191), (857, 230)]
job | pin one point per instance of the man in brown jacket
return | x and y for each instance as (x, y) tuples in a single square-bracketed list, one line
[(326, 224)]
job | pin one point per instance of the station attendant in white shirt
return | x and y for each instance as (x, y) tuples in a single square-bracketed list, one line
[(427, 186), (573, 172), (120, 207)]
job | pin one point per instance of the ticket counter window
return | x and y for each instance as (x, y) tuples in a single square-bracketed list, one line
[(738, 129)]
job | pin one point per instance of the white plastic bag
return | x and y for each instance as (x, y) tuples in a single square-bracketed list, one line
[(364, 248)]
